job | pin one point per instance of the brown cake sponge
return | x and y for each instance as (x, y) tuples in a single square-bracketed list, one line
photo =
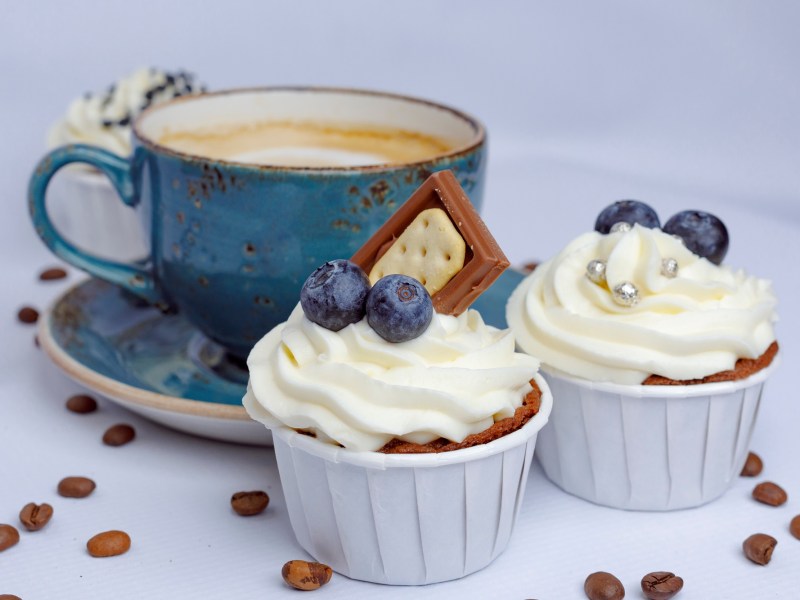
[(744, 368), (530, 406)]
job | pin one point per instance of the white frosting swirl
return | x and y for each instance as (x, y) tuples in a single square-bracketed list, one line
[(356, 389), (105, 119), (694, 325)]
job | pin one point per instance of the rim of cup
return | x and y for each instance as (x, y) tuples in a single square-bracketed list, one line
[(478, 138)]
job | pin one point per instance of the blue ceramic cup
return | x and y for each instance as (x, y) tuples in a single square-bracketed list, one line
[(231, 242)]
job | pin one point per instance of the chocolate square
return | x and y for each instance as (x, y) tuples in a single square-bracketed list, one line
[(484, 260)]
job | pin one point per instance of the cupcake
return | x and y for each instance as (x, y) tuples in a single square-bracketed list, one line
[(657, 356), (403, 435), (86, 208)]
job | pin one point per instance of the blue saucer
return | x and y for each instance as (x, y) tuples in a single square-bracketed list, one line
[(161, 367)]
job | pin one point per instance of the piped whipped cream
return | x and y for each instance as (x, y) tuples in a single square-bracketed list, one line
[(688, 327), (353, 388), (105, 119)]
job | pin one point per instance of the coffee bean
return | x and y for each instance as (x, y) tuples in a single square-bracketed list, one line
[(81, 404), (752, 466), (52, 274), (247, 504), (758, 548), (9, 536), (109, 543), (769, 493), (76, 487), (603, 586), (9, 597), (530, 267), (661, 585), (35, 516), (28, 315), (119, 435), (794, 527), (306, 576)]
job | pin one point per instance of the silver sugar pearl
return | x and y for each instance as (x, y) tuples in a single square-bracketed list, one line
[(625, 294), (596, 271), (669, 267), (622, 226)]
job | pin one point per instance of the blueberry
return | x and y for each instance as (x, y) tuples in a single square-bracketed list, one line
[(335, 295), (701, 232), (626, 211), (399, 308)]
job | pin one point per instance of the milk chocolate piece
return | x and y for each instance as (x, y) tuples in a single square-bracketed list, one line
[(484, 261)]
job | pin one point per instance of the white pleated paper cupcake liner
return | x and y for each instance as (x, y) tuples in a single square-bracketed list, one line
[(648, 447), (406, 519), (87, 210)]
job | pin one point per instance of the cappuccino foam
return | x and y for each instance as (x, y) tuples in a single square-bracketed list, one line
[(307, 144)]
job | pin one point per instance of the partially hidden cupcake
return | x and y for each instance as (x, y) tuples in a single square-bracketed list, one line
[(403, 425), (656, 354), (85, 206)]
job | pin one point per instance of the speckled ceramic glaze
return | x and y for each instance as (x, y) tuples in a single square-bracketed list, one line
[(232, 243), (161, 367)]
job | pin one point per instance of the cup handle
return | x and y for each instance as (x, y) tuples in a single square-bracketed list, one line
[(137, 279)]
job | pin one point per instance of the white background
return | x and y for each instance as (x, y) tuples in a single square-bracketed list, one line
[(682, 104)]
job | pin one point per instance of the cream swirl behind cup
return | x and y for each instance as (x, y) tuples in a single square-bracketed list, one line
[(105, 119), (354, 388), (687, 327)]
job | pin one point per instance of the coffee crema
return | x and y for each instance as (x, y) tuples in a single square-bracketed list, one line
[(307, 144)]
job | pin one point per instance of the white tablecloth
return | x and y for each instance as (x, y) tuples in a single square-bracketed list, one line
[(681, 105)]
